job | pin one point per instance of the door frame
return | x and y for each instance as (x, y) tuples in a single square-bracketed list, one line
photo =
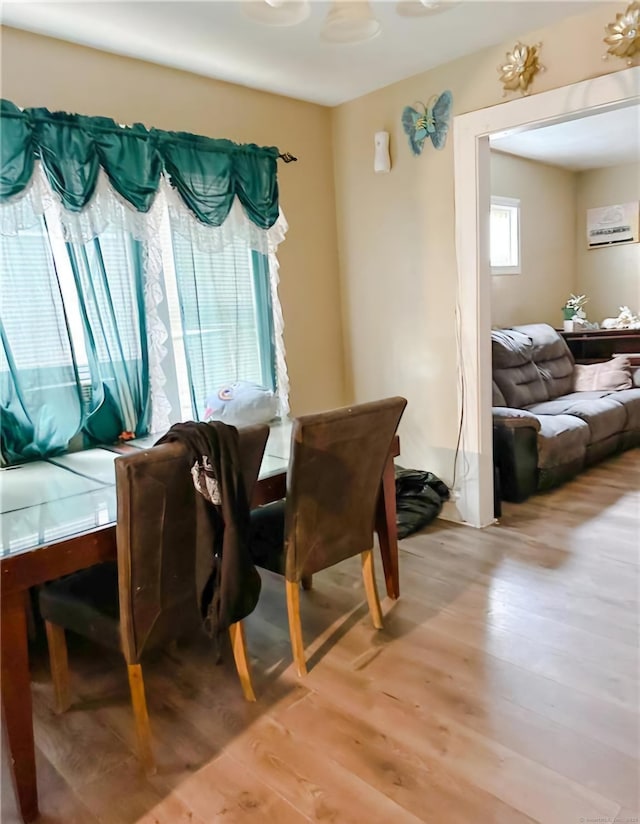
[(471, 133)]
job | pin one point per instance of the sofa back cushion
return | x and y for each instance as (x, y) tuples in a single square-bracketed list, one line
[(531, 364), (513, 369), (551, 356), (497, 398)]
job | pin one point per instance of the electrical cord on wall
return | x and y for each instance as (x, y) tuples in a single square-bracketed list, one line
[(461, 379), (461, 397)]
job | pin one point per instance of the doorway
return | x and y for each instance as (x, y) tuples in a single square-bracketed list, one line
[(472, 197)]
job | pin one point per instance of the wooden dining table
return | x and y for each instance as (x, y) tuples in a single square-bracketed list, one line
[(58, 516)]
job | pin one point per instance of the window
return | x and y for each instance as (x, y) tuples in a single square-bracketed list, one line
[(220, 318), (505, 236), (75, 327)]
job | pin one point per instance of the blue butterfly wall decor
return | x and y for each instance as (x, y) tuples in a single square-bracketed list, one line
[(432, 121)]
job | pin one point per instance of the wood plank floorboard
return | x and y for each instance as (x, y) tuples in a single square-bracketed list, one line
[(503, 689)]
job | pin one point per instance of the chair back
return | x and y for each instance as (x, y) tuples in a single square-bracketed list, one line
[(161, 520), (333, 483)]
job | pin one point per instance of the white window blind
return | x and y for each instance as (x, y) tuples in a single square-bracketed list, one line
[(216, 322), (37, 340)]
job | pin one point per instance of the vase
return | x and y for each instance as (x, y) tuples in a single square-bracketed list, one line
[(567, 326)]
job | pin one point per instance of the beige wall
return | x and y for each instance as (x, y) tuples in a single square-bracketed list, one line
[(610, 276), (396, 233), (39, 71), (547, 241)]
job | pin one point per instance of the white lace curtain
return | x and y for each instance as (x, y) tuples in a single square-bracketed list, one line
[(107, 210)]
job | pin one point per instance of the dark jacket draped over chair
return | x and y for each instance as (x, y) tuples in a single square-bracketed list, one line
[(227, 581)]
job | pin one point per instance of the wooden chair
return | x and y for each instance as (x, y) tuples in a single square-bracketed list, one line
[(150, 597), (333, 483)]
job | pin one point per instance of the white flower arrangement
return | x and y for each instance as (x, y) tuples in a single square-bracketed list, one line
[(573, 308)]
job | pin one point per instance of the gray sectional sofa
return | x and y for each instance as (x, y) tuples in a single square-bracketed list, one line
[(545, 432)]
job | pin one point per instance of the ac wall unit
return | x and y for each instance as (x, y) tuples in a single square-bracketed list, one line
[(611, 225)]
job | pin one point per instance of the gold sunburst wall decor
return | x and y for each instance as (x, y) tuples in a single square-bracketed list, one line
[(521, 67), (623, 35)]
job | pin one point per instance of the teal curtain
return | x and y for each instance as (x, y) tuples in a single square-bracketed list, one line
[(264, 310), (207, 173), (108, 274), (17, 150), (40, 400)]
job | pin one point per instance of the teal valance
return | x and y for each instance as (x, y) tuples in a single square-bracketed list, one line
[(207, 173)]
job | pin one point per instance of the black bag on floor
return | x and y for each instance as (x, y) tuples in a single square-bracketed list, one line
[(419, 499)]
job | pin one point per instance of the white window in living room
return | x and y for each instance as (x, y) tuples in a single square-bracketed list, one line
[(505, 236)]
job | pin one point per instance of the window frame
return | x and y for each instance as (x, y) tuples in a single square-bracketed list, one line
[(512, 204)]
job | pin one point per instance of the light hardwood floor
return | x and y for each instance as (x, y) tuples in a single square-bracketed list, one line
[(503, 689)]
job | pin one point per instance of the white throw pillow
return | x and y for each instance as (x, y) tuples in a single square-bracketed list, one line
[(609, 376), (241, 404)]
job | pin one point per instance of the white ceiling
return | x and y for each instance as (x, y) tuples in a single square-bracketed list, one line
[(608, 139), (216, 40)]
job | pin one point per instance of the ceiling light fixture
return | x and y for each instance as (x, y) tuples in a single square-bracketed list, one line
[(277, 12), (420, 8), (350, 21), (347, 21)]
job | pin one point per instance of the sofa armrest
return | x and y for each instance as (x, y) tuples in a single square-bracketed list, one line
[(515, 418), (515, 452)]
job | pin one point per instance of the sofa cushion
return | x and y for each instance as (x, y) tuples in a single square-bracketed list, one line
[(611, 375), (510, 348), (562, 439), (521, 385), (513, 369), (497, 398), (584, 396), (604, 416), (551, 356), (630, 400)]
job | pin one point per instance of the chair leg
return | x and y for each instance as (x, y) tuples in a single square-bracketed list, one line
[(141, 717), (59, 664), (307, 582), (370, 587), (295, 627), (239, 647)]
